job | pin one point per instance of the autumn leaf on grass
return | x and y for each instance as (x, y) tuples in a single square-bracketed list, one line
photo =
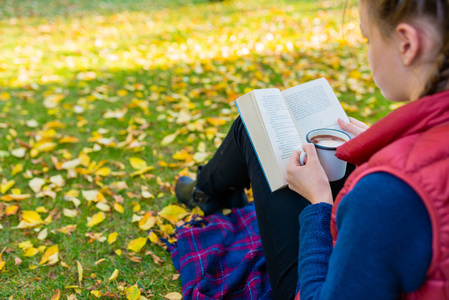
[(80, 272), (67, 229), (11, 210), (216, 121), (96, 293), (169, 138), (31, 252), (19, 152), (17, 169), (96, 219), (36, 184), (137, 163), (173, 296), (43, 234), (112, 237), (157, 260), (56, 295), (6, 185), (173, 213), (147, 221), (142, 171), (2, 263), (116, 114), (132, 293), (50, 255), (114, 275), (137, 244), (30, 219), (118, 207), (71, 164), (90, 195), (153, 237)]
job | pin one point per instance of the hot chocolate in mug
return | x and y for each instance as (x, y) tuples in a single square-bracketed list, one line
[(326, 142)]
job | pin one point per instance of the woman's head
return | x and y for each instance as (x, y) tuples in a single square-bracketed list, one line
[(408, 45)]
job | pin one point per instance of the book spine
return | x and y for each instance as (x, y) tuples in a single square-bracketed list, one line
[(247, 132)]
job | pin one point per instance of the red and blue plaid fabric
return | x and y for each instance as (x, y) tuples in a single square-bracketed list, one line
[(222, 258)]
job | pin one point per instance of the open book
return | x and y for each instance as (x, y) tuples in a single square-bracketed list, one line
[(278, 122)]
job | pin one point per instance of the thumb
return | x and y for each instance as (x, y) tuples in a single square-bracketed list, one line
[(294, 159)]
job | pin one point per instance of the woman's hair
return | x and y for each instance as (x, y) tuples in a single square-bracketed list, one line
[(389, 13)]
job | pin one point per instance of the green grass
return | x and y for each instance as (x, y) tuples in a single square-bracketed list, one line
[(180, 63)]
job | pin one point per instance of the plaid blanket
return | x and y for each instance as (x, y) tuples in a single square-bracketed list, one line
[(221, 257)]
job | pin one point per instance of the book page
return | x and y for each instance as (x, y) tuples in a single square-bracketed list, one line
[(314, 105), (278, 125)]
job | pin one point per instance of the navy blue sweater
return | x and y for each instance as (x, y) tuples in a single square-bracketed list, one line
[(384, 245)]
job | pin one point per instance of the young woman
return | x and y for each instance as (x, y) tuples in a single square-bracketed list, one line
[(386, 234)]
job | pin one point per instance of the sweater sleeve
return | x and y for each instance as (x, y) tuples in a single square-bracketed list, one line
[(384, 245)]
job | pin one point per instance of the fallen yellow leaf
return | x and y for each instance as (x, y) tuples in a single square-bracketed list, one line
[(17, 169), (15, 197), (56, 295), (11, 210), (36, 184), (114, 275), (153, 237), (6, 185), (25, 245), (137, 163), (137, 244), (96, 219), (118, 207), (112, 237), (80, 272), (19, 152), (169, 139), (71, 164), (142, 171), (173, 213), (132, 293), (96, 293), (43, 234), (173, 296), (100, 260), (30, 219), (50, 255), (69, 213), (105, 171), (31, 252), (2, 263), (147, 221)]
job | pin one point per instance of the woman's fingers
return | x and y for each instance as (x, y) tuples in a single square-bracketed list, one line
[(354, 126), (358, 123)]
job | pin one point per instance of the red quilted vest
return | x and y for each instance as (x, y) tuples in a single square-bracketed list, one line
[(411, 143)]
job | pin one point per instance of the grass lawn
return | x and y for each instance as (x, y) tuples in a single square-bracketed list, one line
[(104, 103)]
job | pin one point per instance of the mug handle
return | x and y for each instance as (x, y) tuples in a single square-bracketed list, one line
[(302, 156)]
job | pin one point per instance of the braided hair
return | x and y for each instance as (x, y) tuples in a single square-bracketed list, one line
[(389, 13)]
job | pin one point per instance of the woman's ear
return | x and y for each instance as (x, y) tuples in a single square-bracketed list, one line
[(409, 42)]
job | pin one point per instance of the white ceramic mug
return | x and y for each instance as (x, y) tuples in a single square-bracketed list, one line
[(334, 167)]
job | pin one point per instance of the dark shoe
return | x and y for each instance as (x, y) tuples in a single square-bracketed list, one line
[(187, 193)]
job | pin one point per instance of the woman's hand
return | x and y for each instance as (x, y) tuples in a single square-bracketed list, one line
[(310, 180), (354, 126)]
